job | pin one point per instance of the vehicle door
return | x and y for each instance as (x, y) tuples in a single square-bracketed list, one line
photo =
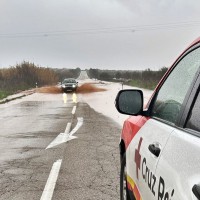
[(179, 165), (142, 156), (166, 109)]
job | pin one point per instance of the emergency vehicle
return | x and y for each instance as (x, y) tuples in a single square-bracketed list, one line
[(160, 144)]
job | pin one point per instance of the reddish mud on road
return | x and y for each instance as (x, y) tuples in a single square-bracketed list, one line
[(85, 88)]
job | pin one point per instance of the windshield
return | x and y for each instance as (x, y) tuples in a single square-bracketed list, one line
[(69, 81)]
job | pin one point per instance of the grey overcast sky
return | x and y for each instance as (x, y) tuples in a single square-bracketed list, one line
[(105, 34)]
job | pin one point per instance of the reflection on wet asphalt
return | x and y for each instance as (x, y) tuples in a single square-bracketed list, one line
[(31, 110), (32, 120)]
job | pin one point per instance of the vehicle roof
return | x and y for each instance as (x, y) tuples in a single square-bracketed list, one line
[(69, 79), (195, 41)]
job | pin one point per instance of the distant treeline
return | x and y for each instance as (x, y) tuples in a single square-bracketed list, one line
[(67, 73), (145, 79), (26, 75)]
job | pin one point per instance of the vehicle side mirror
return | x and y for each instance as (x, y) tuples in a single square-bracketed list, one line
[(129, 102)]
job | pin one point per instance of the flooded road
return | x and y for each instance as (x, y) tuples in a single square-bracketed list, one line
[(84, 163)]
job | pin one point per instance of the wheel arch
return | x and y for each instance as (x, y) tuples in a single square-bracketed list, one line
[(122, 149)]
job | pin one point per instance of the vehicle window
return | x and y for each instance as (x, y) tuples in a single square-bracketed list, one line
[(172, 93), (69, 81), (194, 117)]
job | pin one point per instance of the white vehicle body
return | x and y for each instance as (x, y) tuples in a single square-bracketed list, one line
[(160, 146)]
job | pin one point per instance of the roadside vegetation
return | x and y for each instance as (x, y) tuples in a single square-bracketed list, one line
[(28, 75), (4, 94), (144, 79)]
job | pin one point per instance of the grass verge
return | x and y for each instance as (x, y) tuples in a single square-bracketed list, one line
[(4, 94), (142, 84)]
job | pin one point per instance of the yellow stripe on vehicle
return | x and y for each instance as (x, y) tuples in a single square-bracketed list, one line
[(130, 181), (134, 188)]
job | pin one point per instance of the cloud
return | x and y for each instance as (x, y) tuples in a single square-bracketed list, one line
[(166, 10), (129, 49)]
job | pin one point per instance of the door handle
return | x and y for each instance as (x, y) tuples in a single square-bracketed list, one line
[(196, 191), (154, 149)]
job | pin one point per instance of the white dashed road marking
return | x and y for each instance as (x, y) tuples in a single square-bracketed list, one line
[(73, 110), (51, 181)]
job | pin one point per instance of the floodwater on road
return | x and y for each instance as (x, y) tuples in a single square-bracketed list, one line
[(101, 101)]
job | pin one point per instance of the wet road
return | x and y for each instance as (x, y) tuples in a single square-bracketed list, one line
[(85, 168)]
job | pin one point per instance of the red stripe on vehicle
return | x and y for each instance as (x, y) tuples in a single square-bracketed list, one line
[(131, 126)]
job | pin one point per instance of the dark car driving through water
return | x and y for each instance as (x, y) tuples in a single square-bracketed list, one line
[(69, 84)]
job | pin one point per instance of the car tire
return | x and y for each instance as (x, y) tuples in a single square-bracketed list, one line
[(124, 194)]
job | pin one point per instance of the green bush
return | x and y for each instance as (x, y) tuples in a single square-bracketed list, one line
[(4, 94)]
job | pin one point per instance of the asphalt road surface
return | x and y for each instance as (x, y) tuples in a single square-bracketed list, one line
[(53, 150)]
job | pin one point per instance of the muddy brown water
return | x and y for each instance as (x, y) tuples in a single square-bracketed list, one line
[(85, 88)]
